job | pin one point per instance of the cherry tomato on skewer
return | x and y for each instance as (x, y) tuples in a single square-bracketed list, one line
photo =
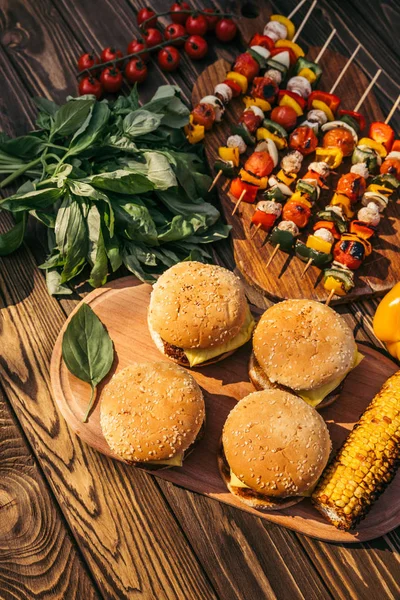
[(90, 85), (351, 185), (259, 164), (392, 167), (285, 116), (304, 140), (173, 31), (168, 58), (339, 138)]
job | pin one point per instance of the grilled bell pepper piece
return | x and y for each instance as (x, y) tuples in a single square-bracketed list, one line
[(344, 202), (229, 154), (287, 23), (330, 226), (238, 186), (263, 134), (292, 45), (241, 129), (266, 220), (319, 105), (235, 87), (194, 133), (331, 100), (307, 188), (263, 104), (332, 156), (303, 63), (382, 133), (303, 198), (386, 180), (366, 155), (396, 146), (380, 189), (260, 182), (293, 100), (275, 128), (386, 321), (239, 79), (318, 178), (377, 146), (317, 243), (292, 56), (275, 194), (355, 117), (339, 280), (278, 66), (307, 74), (361, 230), (261, 61), (262, 40), (286, 178), (329, 215), (226, 166), (285, 239), (305, 253)]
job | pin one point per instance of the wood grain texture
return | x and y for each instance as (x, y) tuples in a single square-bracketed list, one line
[(122, 306)]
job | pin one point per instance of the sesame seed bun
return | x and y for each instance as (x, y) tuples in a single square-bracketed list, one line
[(151, 412), (302, 345), (194, 305), (277, 445)]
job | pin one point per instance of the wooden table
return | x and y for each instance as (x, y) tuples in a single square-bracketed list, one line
[(74, 524)]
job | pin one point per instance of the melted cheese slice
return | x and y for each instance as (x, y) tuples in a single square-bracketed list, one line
[(235, 481), (315, 397), (196, 356), (175, 461)]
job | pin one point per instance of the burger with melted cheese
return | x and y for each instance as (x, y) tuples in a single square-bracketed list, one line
[(198, 314), (152, 414), (274, 449), (304, 347)]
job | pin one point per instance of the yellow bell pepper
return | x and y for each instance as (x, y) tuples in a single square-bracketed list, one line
[(286, 178), (380, 189), (263, 134), (318, 104), (194, 133), (301, 198), (293, 46), (332, 156), (261, 182), (386, 321), (288, 101), (263, 104), (344, 202), (307, 73), (380, 148), (318, 244), (287, 23), (231, 154), (239, 79), (331, 283)]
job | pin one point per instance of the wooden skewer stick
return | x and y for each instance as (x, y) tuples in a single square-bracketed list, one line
[(343, 71), (296, 8), (393, 110), (255, 231), (308, 265), (218, 175), (367, 91), (272, 255), (329, 298), (324, 47), (304, 21), (238, 202)]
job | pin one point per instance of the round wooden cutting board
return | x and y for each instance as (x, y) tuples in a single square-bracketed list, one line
[(122, 307)]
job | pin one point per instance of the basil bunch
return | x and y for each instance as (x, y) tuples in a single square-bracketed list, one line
[(115, 184)]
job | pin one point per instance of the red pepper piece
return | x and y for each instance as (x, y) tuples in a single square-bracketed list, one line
[(299, 99), (266, 220), (262, 40), (354, 115), (330, 99), (238, 186), (235, 87), (292, 56), (382, 133)]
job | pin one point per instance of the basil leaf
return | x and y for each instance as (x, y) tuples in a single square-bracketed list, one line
[(136, 222), (23, 147), (87, 349), (175, 201), (54, 287), (69, 117), (133, 265), (46, 106), (90, 129), (71, 237), (160, 171), (123, 181), (12, 239), (31, 200), (140, 122)]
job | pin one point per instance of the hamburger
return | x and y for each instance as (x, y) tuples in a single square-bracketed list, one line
[(274, 449), (303, 347), (198, 314), (152, 414)]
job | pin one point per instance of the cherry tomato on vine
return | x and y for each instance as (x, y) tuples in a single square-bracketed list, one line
[(196, 47), (152, 37), (169, 58), (90, 85), (86, 61), (176, 16), (213, 19), (135, 70), (285, 116), (144, 14), (173, 31), (225, 30), (110, 53), (111, 80), (196, 25), (137, 46)]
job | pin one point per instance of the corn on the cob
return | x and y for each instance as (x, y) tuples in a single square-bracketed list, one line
[(366, 463)]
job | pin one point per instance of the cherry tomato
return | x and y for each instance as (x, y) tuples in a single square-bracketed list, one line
[(196, 47), (111, 80), (137, 46), (152, 37), (90, 85), (135, 71), (339, 138), (144, 14), (264, 88), (196, 25), (213, 19), (304, 140), (285, 116), (176, 16), (351, 185), (297, 212), (169, 58), (86, 61), (225, 30), (349, 253), (235, 87), (110, 53), (173, 31), (259, 164), (204, 114), (392, 167), (251, 120), (246, 65)]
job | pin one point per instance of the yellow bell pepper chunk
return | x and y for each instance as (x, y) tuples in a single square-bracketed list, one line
[(261, 182), (194, 133), (263, 134), (288, 101), (344, 202), (286, 178), (380, 148), (332, 156), (263, 104), (318, 244), (291, 30), (331, 283), (302, 198), (308, 74), (293, 46), (318, 104), (380, 189), (239, 79), (231, 154), (386, 321)]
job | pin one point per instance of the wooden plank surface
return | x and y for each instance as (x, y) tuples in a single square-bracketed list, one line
[(109, 509)]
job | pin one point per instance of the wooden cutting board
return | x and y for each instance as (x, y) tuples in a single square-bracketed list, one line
[(122, 307), (283, 277)]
